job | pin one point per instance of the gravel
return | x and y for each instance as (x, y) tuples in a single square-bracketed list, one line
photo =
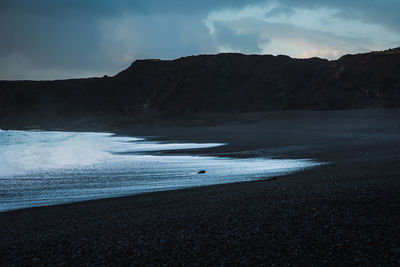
[(343, 213)]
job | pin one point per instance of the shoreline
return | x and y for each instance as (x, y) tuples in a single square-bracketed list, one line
[(342, 213), (200, 187), (192, 152)]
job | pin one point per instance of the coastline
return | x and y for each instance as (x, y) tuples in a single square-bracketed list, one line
[(344, 212)]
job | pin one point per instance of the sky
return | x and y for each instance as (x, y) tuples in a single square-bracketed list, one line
[(58, 39)]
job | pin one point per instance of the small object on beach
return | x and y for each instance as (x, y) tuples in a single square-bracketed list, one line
[(201, 172), (272, 179)]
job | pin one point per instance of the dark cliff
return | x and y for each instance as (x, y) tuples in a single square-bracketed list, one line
[(209, 83)]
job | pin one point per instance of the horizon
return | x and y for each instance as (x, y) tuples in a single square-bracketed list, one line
[(197, 55), (45, 40)]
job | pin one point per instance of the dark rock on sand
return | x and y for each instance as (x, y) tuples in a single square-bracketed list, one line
[(345, 213)]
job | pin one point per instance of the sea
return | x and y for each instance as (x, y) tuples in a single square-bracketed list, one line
[(40, 168)]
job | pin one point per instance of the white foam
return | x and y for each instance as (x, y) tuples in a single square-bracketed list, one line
[(43, 168), (29, 152), (24, 151)]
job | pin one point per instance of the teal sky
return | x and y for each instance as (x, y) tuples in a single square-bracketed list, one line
[(48, 39)]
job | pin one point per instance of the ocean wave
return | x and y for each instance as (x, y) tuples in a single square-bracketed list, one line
[(24, 151)]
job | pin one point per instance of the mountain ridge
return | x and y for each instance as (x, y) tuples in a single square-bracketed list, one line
[(228, 82)]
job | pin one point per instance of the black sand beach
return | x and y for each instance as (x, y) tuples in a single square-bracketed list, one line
[(346, 212)]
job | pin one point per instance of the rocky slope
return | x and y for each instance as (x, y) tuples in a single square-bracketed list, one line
[(210, 83)]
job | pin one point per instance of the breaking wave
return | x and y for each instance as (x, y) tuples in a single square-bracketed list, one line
[(22, 151)]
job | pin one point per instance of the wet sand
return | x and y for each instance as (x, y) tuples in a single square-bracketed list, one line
[(346, 212)]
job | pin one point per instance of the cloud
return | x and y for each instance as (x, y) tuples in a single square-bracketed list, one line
[(304, 32), (127, 38), (73, 38), (383, 12), (230, 40), (46, 42), (72, 8), (44, 39), (280, 10)]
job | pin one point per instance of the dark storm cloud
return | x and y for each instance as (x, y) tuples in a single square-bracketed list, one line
[(45, 42), (116, 7), (47, 39), (63, 38), (65, 8), (383, 11)]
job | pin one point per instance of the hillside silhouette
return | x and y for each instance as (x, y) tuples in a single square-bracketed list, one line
[(213, 83)]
